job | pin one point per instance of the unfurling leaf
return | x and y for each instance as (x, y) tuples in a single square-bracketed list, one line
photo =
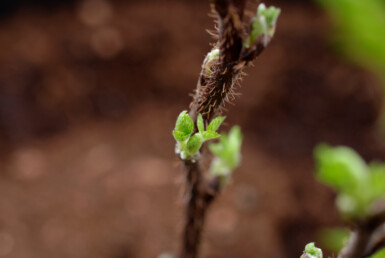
[(311, 251), (263, 23), (200, 123), (216, 123), (194, 144), (208, 135), (179, 136), (188, 142), (184, 124)]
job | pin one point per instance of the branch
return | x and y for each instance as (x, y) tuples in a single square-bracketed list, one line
[(367, 238), (221, 71), (214, 89), (210, 95)]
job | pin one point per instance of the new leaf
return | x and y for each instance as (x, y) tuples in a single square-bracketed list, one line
[(216, 123)]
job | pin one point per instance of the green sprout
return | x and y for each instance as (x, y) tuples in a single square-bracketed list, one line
[(188, 144), (263, 23), (184, 127), (227, 155), (359, 185), (311, 251)]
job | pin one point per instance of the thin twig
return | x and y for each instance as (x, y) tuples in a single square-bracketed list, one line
[(199, 198), (367, 238), (213, 90)]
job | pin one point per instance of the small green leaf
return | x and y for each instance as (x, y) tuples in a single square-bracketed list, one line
[(340, 167), (333, 239), (194, 144), (379, 254), (184, 124), (227, 155), (214, 125), (377, 180), (344, 170), (235, 138), (311, 251), (179, 136), (200, 124), (208, 135), (216, 149), (270, 14), (263, 23)]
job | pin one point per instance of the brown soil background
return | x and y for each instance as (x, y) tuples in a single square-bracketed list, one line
[(89, 93)]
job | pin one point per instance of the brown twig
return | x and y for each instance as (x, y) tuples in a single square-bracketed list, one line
[(199, 199), (213, 90), (367, 238)]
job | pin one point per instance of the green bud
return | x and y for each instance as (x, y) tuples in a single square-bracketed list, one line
[(179, 136), (216, 123), (184, 127), (263, 23), (311, 251), (270, 14), (194, 144), (210, 60)]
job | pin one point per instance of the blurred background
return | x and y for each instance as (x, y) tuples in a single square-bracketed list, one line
[(89, 94)]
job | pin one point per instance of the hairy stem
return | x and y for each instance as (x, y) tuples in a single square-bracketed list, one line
[(212, 91), (214, 88)]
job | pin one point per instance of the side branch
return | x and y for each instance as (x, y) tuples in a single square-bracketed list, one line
[(367, 238)]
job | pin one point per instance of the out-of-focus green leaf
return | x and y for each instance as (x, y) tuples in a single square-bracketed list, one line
[(360, 31), (227, 154), (358, 185), (340, 167), (333, 239), (379, 254), (377, 180)]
